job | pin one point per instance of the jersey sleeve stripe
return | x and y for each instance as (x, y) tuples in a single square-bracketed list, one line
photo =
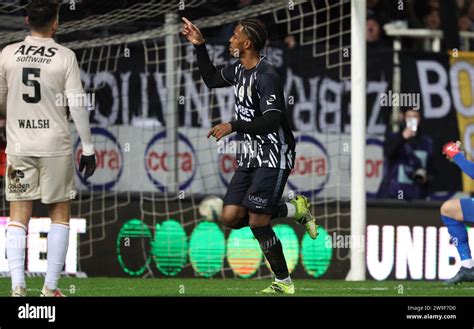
[(223, 77), (270, 110)]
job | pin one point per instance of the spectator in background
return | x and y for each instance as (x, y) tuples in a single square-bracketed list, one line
[(433, 5), (470, 12), (290, 41), (466, 13), (461, 4), (373, 33), (423, 14), (464, 23), (408, 160), (412, 10), (432, 20), (381, 11)]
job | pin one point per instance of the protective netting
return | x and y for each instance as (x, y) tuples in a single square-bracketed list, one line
[(152, 112)]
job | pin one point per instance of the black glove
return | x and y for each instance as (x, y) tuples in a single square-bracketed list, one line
[(87, 161)]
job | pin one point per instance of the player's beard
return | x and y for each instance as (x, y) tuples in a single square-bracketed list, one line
[(234, 52)]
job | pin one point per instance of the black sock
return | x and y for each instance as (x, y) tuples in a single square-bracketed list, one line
[(272, 249), (279, 211)]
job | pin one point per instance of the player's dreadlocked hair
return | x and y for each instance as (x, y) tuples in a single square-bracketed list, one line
[(256, 31), (41, 13)]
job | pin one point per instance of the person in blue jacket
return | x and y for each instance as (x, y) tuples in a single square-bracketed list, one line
[(408, 161)]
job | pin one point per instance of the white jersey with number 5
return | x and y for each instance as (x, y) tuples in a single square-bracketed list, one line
[(38, 72)]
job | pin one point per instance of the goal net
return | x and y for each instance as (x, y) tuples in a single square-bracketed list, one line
[(150, 112)]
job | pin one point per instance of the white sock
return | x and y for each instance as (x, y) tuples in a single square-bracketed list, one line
[(58, 241), (291, 210), (467, 263), (16, 245), (285, 280)]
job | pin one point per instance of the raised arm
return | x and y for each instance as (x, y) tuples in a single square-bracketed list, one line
[(212, 77)]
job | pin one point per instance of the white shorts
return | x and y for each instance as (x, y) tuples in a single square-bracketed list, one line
[(50, 179)]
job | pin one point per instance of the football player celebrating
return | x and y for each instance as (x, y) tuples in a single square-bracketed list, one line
[(261, 123)]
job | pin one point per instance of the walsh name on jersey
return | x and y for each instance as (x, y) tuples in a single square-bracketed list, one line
[(33, 124)]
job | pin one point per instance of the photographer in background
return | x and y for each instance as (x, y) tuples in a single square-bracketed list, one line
[(408, 160)]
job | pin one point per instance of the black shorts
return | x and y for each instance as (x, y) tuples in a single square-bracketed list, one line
[(257, 189)]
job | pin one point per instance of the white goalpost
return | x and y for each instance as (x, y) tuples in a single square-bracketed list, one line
[(358, 121)]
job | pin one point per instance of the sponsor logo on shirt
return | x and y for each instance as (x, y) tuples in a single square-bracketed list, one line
[(36, 51), (260, 202), (271, 99), (35, 54), (14, 185), (246, 113)]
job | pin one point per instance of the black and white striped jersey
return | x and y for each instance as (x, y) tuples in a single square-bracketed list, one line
[(259, 90)]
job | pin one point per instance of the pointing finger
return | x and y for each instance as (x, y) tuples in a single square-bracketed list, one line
[(190, 25), (187, 22)]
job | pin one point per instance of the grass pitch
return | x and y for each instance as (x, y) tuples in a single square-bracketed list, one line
[(239, 287)]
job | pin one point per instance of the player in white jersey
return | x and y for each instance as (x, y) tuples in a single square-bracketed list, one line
[(35, 75)]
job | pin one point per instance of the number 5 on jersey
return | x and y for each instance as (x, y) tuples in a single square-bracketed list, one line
[(30, 82)]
